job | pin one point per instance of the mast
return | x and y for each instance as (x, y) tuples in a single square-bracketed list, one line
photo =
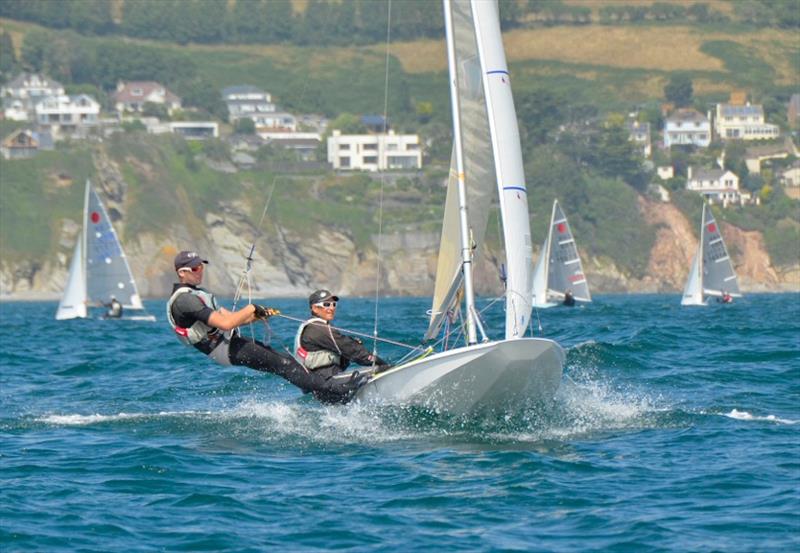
[(466, 246), (85, 243), (700, 254), (549, 247)]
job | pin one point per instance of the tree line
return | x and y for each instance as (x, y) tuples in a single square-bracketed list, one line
[(349, 22)]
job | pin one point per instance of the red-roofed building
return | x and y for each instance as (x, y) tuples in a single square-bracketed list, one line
[(132, 96)]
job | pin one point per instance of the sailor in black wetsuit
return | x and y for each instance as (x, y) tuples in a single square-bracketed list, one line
[(114, 309), (197, 321), (323, 349), (569, 299)]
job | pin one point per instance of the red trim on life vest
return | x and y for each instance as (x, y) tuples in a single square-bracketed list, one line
[(302, 353), (182, 331)]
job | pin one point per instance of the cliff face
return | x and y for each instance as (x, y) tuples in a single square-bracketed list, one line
[(286, 264)]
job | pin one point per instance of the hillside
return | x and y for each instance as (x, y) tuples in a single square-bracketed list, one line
[(591, 70), (320, 230)]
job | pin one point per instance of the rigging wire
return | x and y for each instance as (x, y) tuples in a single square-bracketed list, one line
[(383, 178)]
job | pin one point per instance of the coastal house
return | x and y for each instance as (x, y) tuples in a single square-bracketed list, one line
[(735, 122), (791, 175), (279, 121), (687, 127), (22, 93), (639, 133), (717, 185), (67, 115), (374, 152), (246, 101), (132, 96), (305, 144), (665, 172), (755, 156), (25, 143)]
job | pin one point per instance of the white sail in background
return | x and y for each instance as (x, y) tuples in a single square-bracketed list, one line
[(559, 266), (712, 273), (73, 302), (693, 292), (99, 268)]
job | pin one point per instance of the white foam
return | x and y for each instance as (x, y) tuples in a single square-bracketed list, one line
[(745, 416), (81, 420)]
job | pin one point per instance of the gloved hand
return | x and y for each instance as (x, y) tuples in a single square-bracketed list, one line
[(261, 312)]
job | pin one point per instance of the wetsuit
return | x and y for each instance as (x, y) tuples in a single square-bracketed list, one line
[(569, 300), (318, 336), (114, 310), (191, 307)]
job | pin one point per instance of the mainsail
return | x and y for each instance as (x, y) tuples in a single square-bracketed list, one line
[(107, 270), (712, 273), (489, 133), (559, 266), (99, 268)]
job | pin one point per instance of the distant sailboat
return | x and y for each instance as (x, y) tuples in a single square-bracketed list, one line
[(559, 269), (99, 269), (514, 371), (712, 274)]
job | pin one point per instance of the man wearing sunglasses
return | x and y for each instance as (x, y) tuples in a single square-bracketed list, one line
[(198, 321), (321, 348)]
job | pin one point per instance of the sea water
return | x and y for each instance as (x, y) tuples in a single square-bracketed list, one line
[(674, 429)]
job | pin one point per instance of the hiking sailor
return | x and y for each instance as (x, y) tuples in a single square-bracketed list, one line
[(324, 350), (198, 321)]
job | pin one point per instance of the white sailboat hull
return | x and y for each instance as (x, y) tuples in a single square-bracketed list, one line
[(505, 375)]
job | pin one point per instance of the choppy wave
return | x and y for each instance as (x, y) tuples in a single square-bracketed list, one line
[(745, 416)]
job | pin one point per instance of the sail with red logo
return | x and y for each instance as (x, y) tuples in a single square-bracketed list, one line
[(99, 270), (712, 273), (559, 277)]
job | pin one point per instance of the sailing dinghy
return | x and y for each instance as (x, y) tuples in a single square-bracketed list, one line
[(99, 268), (559, 269), (712, 274), (505, 374)]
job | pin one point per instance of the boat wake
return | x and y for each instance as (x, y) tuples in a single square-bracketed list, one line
[(745, 416)]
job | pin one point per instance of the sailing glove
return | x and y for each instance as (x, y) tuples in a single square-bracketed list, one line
[(261, 312)]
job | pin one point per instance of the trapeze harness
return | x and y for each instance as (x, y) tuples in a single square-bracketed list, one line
[(217, 341), (313, 360)]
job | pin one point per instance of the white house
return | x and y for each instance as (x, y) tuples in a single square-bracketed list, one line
[(640, 135), (791, 175), (67, 115), (743, 123), (132, 96), (717, 185), (274, 121), (374, 152), (246, 101), (687, 127), (23, 92), (665, 172)]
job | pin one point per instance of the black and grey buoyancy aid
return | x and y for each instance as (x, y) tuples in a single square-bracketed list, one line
[(315, 359), (199, 331)]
